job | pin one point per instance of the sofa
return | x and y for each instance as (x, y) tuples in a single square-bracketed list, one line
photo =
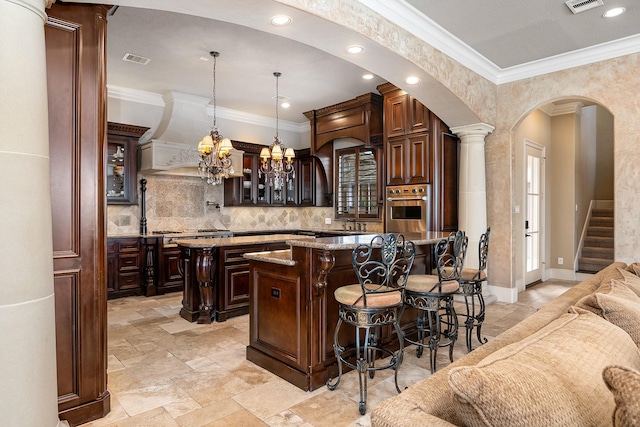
[(575, 362)]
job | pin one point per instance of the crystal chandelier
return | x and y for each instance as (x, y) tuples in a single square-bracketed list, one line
[(276, 160), (214, 164)]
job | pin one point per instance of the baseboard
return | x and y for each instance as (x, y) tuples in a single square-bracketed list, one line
[(509, 295)]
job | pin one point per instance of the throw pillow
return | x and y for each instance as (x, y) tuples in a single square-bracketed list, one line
[(551, 378), (618, 304), (631, 280), (624, 383), (634, 268)]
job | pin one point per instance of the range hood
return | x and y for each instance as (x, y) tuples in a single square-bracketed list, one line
[(172, 149)]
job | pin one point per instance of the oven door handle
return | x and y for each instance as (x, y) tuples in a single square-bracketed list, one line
[(402, 199)]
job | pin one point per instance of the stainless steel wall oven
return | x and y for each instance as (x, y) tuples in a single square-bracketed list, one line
[(407, 208)]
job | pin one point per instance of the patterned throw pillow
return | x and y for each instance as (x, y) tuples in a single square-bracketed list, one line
[(618, 304), (624, 383)]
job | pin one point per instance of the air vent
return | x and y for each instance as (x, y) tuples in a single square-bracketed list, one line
[(130, 57), (578, 6)]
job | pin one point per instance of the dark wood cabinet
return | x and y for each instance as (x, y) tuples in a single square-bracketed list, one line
[(75, 36), (420, 149), (125, 267), (121, 163), (408, 138), (254, 189), (404, 114), (307, 181), (169, 274), (229, 276)]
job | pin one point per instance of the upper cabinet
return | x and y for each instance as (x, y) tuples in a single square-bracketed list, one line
[(121, 163), (254, 189), (408, 138)]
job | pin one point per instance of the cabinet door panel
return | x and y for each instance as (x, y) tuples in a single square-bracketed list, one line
[(236, 285), (395, 115), (418, 116), (307, 181), (419, 148), (396, 161)]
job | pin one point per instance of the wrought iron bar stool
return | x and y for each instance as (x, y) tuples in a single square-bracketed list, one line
[(432, 296), (382, 267), (471, 280)]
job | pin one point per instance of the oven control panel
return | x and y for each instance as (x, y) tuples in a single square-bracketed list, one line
[(407, 191)]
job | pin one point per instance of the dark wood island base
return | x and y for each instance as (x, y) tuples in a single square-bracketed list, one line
[(293, 313)]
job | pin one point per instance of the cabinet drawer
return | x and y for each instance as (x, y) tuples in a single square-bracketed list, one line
[(233, 255), (129, 245), (129, 262), (129, 281), (111, 246)]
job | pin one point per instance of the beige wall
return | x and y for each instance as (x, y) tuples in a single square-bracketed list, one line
[(536, 127), (561, 175), (604, 183)]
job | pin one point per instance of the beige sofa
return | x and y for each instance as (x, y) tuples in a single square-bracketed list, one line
[(547, 370)]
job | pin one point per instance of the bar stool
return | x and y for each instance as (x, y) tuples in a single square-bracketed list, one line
[(432, 296), (471, 280), (382, 267)]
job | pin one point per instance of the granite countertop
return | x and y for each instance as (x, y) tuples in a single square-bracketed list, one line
[(350, 242), (239, 241), (282, 257)]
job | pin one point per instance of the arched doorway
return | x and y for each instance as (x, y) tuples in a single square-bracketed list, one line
[(563, 170)]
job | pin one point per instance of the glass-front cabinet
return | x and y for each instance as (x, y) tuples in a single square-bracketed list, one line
[(253, 188), (121, 163)]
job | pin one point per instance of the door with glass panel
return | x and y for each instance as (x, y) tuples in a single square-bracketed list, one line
[(534, 208)]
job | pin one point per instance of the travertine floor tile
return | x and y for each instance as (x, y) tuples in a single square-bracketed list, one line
[(167, 372)]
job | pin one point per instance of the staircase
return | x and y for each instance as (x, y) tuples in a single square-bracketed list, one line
[(597, 250)]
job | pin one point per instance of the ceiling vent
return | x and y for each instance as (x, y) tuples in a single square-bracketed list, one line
[(130, 57), (578, 6)]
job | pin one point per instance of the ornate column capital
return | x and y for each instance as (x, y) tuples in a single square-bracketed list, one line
[(477, 129)]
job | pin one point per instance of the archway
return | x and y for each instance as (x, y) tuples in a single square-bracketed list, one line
[(576, 135)]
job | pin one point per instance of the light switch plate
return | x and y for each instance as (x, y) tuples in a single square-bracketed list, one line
[(327, 221)]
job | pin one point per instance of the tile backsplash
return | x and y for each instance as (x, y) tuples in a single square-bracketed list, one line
[(178, 203)]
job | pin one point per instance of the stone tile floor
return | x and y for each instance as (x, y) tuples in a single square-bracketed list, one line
[(166, 372)]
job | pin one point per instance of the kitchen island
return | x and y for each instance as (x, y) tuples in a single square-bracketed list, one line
[(216, 275), (293, 312)]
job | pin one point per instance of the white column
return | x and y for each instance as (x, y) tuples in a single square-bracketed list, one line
[(472, 196), (28, 396)]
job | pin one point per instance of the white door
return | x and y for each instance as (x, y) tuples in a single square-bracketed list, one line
[(534, 208)]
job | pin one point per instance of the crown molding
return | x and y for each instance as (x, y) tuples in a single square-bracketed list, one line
[(160, 100), (406, 16)]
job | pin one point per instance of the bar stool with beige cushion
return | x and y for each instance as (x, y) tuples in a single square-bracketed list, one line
[(382, 267), (432, 296), (471, 280)]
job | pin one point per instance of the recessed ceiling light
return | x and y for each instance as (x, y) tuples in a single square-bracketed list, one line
[(412, 80), (355, 49), (367, 76), (616, 11), (285, 105), (281, 20)]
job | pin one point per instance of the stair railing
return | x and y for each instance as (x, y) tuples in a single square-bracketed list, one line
[(582, 236)]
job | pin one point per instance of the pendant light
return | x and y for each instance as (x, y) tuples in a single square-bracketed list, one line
[(276, 161), (215, 150)]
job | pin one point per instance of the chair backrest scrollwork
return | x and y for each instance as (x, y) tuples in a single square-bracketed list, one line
[(449, 254), (387, 272)]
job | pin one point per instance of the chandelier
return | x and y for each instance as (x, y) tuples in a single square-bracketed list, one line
[(276, 160), (214, 164)]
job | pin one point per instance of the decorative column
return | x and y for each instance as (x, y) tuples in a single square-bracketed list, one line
[(472, 195), (27, 305)]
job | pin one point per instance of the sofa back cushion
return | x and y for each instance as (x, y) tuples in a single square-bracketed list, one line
[(551, 378), (617, 303)]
